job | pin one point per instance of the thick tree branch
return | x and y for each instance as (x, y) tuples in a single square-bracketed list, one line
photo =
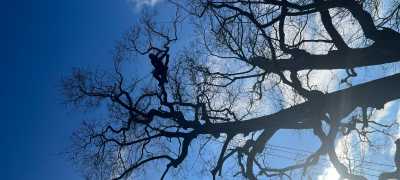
[(339, 59), (304, 116), (327, 22)]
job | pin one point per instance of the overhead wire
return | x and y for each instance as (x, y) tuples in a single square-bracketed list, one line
[(326, 163), (372, 166), (310, 152)]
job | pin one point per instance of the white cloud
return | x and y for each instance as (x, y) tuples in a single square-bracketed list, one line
[(380, 115), (385, 116), (141, 3), (330, 173), (393, 146), (344, 150), (398, 121)]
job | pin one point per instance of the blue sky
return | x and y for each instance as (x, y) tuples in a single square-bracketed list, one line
[(44, 40)]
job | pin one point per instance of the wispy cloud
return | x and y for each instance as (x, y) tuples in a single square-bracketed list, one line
[(398, 121), (342, 149), (142, 3), (357, 152)]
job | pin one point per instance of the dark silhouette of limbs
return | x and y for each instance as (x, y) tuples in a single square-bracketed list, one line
[(160, 68)]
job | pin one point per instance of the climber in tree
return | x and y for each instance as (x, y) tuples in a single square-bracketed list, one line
[(160, 67)]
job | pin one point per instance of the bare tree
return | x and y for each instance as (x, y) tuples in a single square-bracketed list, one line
[(254, 53)]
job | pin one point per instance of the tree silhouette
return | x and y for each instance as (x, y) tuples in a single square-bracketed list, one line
[(212, 96)]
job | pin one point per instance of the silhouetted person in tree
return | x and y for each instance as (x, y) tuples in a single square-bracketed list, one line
[(160, 67)]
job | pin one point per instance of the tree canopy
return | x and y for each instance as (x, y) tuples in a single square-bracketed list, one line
[(252, 69)]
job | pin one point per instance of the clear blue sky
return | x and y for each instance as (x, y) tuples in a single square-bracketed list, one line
[(42, 41)]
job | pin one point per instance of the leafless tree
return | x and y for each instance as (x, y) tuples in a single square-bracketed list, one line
[(254, 53)]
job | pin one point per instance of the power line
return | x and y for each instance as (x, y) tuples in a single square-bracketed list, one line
[(309, 152), (323, 159), (326, 163), (298, 151)]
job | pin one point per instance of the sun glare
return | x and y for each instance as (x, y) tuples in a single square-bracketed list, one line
[(330, 173)]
